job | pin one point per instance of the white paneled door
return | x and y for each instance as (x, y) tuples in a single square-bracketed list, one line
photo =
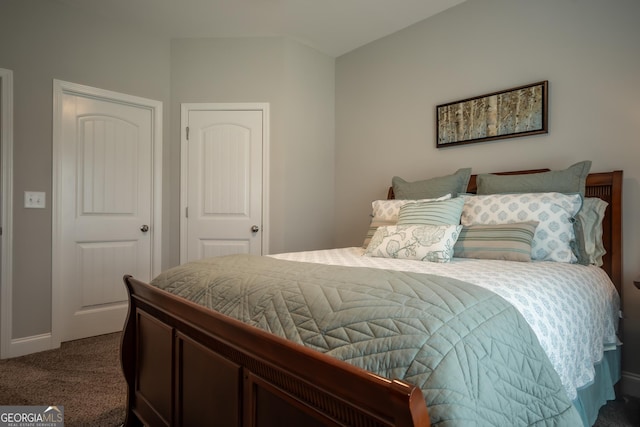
[(105, 223), (222, 189)]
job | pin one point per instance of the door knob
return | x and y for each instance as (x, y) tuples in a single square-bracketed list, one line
[(255, 229), (144, 228)]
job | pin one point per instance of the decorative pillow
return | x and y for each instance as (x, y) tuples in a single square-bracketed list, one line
[(385, 212), (568, 181), (554, 213), (419, 242), (444, 212), (589, 247), (434, 187), (509, 242)]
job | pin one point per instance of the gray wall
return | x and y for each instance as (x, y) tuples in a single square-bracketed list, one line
[(40, 41), (298, 82), (386, 93)]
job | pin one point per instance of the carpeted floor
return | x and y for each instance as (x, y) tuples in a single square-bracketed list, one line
[(624, 412), (84, 376)]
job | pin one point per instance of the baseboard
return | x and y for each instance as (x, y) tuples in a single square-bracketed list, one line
[(630, 384), (32, 344)]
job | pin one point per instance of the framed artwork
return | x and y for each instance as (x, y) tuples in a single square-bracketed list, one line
[(513, 112)]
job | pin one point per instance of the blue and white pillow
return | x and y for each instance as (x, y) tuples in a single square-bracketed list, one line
[(554, 213), (432, 243)]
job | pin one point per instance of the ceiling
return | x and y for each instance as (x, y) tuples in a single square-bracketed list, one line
[(334, 27)]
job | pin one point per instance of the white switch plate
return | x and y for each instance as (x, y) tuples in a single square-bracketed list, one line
[(34, 199)]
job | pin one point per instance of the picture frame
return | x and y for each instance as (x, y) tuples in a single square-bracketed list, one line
[(510, 113)]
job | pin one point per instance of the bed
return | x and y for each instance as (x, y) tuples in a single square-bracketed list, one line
[(185, 364)]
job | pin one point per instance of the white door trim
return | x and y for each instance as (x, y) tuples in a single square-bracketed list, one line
[(184, 164), (155, 107), (6, 281)]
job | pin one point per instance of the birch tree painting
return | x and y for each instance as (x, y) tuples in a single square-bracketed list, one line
[(515, 112)]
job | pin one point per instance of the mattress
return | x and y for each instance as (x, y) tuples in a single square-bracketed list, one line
[(572, 309)]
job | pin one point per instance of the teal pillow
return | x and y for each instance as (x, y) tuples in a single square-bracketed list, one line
[(432, 188), (588, 246), (569, 181), (445, 212)]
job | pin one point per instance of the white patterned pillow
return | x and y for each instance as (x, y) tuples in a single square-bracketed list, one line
[(419, 242), (554, 213), (385, 212)]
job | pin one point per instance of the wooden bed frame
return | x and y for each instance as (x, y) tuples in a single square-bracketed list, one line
[(185, 365)]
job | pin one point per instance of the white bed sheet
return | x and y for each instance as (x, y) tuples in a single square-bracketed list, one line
[(573, 309)]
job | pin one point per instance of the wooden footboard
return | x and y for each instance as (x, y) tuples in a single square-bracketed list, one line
[(188, 366)]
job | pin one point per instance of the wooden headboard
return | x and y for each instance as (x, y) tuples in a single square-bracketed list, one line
[(608, 187)]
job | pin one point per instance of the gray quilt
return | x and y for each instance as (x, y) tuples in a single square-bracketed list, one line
[(473, 355)]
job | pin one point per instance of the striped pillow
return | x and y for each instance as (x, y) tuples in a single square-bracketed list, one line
[(508, 242), (445, 212), (385, 212)]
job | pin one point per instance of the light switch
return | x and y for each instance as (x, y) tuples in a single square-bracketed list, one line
[(34, 199)]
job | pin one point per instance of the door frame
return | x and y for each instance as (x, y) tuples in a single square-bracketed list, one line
[(185, 108), (6, 240), (61, 88)]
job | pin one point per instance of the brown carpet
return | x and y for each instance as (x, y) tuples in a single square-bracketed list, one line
[(84, 376)]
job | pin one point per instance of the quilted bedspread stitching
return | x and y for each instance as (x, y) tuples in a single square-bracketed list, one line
[(472, 354)]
